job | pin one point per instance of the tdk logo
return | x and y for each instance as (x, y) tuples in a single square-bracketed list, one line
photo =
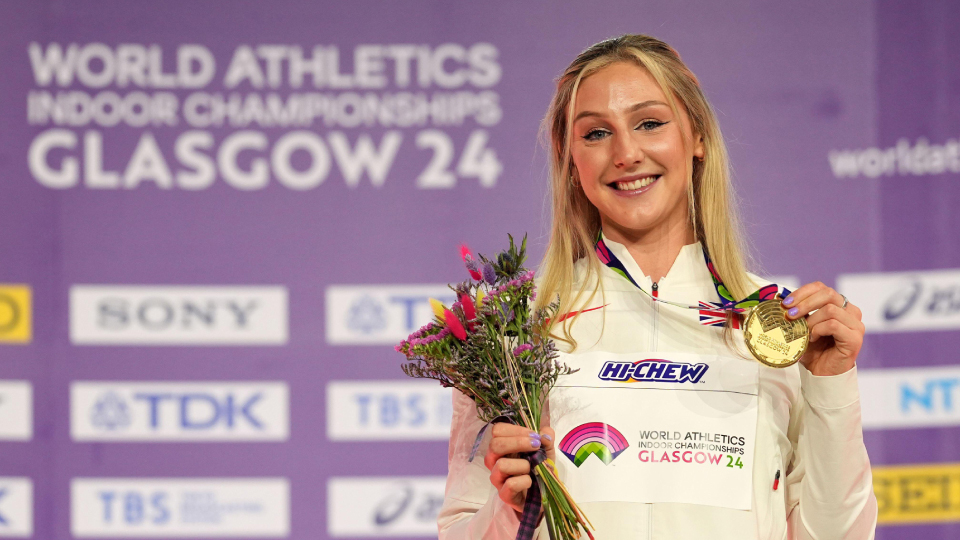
[(180, 315), (16, 506), (179, 411), (653, 370), (379, 314)]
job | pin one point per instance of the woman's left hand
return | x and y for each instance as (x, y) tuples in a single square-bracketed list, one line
[(836, 333)]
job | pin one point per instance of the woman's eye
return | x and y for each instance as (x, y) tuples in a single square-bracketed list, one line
[(650, 125), (595, 134)]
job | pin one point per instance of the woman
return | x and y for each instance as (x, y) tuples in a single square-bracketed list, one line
[(639, 172)]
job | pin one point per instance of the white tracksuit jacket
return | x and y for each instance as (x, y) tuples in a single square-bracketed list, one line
[(808, 427)]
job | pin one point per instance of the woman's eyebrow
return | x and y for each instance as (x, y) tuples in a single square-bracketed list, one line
[(631, 109)]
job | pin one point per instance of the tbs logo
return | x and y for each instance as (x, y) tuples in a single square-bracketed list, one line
[(653, 370)]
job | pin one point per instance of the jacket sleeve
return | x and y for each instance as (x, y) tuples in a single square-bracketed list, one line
[(471, 509), (829, 486)]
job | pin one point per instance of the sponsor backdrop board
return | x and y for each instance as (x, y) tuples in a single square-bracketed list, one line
[(217, 217)]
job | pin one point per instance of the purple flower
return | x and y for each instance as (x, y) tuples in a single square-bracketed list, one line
[(489, 274), (522, 349)]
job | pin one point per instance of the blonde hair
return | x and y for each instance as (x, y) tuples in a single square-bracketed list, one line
[(576, 222)]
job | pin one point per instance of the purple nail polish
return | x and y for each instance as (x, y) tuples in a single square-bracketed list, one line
[(547, 437), (793, 312), (788, 301), (534, 442), (535, 436)]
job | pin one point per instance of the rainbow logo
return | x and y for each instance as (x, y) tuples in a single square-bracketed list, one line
[(593, 438)]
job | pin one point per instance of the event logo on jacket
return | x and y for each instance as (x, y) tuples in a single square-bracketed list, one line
[(691, 418)]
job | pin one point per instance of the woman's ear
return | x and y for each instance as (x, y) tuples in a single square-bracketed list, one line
[(698, 147)]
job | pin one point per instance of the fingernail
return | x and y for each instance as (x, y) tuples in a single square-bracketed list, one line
[(534, 442), (793, 312), (788, 301), (547, 437), (534, 435)]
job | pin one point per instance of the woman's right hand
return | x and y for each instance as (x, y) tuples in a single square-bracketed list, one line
[(510, 474)]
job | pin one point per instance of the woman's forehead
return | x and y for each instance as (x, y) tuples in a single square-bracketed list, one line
[(617, 87)]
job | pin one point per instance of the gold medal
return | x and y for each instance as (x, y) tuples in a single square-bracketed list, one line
[(773, 339)]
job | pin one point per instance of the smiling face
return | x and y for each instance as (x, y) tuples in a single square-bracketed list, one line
[(631, 155)]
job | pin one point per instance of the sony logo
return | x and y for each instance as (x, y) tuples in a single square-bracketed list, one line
[(178, 315)]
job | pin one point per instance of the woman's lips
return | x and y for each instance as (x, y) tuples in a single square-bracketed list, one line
[(634, 187)]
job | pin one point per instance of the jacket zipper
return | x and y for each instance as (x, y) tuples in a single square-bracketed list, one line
[(653, 347), (656, 316)]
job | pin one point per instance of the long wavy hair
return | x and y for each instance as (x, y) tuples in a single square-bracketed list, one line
[(576, 222)]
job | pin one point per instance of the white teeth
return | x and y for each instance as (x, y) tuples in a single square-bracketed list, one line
[(636, 184)]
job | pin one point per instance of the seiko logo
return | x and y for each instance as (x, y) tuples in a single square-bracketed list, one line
[(179, 411), (163, 315), (653, 370)]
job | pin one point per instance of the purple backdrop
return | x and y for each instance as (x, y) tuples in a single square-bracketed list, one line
[(791, 84)]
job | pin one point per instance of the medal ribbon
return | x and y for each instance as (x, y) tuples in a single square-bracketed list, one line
[(727, 301)]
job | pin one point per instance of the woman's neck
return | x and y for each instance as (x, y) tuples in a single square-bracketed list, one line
[(655, 250)]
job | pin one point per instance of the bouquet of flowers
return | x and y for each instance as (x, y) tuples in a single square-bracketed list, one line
[(495, 348)]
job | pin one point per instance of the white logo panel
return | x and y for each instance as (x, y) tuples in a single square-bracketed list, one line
[(16, 411), (384, 506), (179, 411), (179, 507), (388, 411), (910, 398), (379, 314), (905, 301), (16, 507), (177, 315)]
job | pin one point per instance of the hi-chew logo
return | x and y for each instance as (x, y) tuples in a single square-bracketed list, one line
[(593, 438), (653, 370)]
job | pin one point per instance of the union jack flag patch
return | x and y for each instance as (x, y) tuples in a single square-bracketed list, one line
[(712, 314)]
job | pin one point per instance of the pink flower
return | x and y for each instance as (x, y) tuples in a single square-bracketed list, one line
[(453, 323), (470, 262)]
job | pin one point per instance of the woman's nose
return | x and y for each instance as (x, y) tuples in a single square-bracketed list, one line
[(627, 152)]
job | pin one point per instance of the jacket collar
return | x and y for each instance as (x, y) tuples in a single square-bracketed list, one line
[(688, 269)]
